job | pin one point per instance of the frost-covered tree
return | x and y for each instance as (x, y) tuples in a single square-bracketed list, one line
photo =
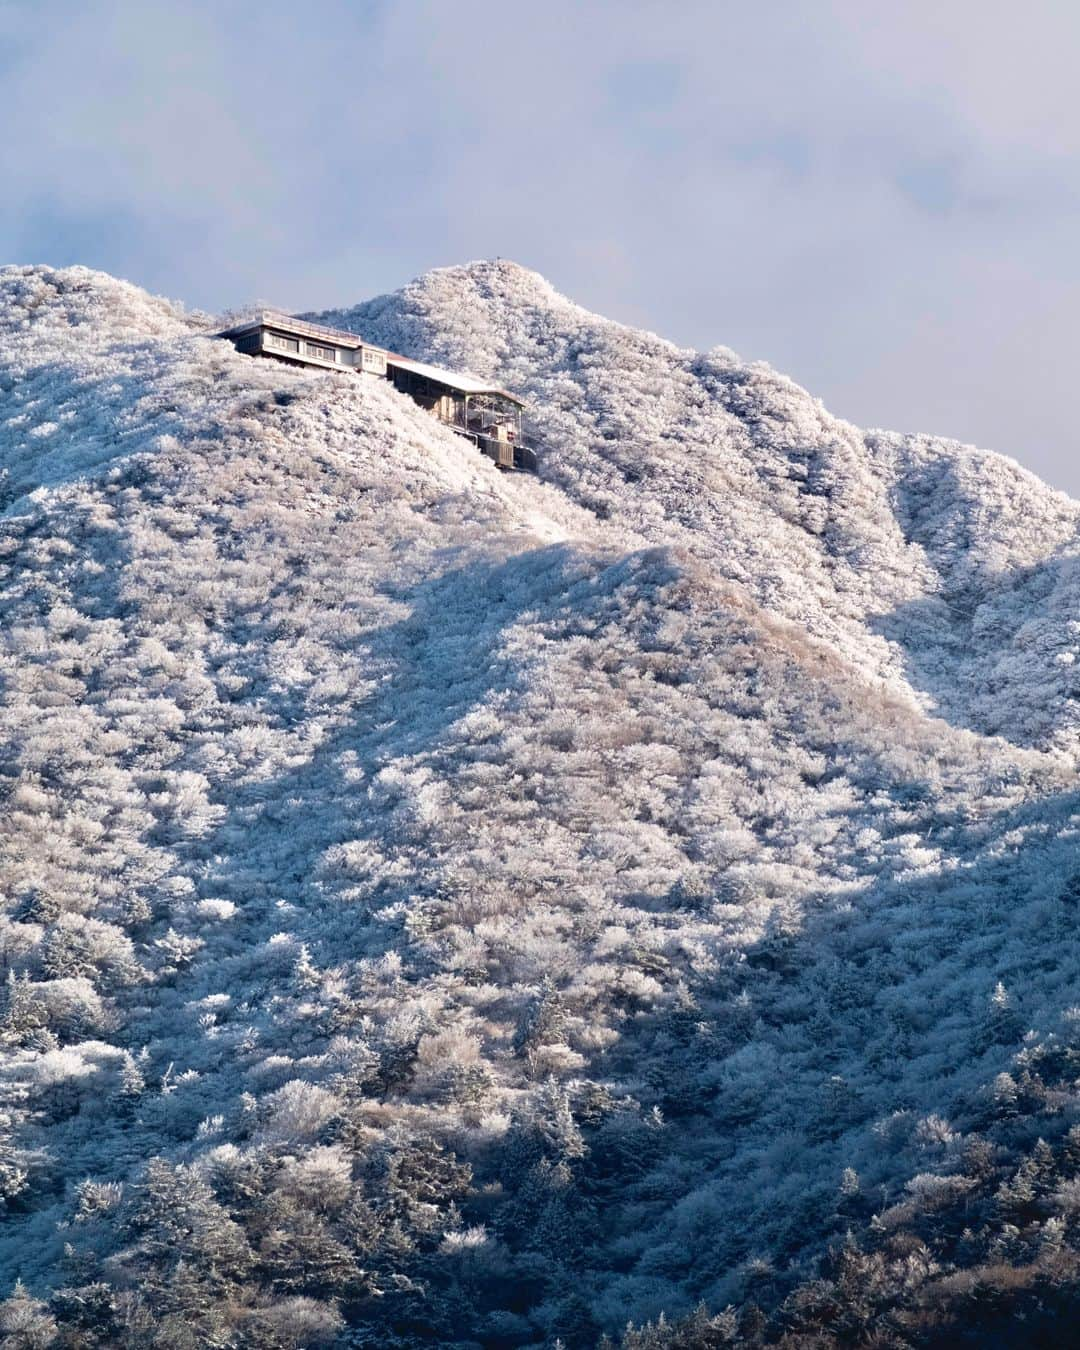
[(25, 1322), (457, 907)]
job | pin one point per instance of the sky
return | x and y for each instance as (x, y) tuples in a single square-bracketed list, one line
[(880, 200)]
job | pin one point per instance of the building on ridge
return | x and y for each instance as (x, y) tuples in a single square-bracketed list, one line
[(489, 416)]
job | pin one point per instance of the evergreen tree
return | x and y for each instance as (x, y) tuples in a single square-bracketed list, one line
[(25, 1322), (1001, 1024), (24, 1021)]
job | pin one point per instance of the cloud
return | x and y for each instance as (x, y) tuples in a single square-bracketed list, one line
[(880, 200)]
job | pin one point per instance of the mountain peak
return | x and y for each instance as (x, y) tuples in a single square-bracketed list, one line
[(490, 281), (73, 296), (877, 543)]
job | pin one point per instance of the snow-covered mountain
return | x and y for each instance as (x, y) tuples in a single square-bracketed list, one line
[(939, 568), (453, 908)]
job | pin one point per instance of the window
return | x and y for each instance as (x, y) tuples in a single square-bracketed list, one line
[(374, 360), (323, 353), (282, 343)]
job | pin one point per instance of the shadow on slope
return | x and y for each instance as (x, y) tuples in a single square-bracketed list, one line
[(867, 1036), (876, 1007), (65, 419), (293, 853), (997, 655), (352, 792)]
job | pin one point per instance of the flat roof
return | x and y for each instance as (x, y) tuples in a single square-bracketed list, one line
[(272, 318), (465, 384)]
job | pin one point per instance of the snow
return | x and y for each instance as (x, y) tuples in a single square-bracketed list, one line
[(917, 558), (650, 838), (468, 384)]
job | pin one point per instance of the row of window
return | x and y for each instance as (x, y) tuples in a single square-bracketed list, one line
[(288, 344), (372, 360)]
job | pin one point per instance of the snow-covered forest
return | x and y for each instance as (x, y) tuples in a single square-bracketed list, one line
[(630, 906)]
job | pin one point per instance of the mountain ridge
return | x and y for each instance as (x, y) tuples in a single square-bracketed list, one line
[(827, 491)]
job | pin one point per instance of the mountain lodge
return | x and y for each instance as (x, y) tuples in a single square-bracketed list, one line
[(489, 416)]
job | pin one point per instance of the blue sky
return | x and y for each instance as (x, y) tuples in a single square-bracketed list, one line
[(881, 200)]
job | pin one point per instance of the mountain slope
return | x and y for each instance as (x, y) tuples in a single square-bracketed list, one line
[(452, 908), (919, 559)]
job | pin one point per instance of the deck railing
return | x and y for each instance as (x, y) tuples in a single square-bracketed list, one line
[(271, 318)]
